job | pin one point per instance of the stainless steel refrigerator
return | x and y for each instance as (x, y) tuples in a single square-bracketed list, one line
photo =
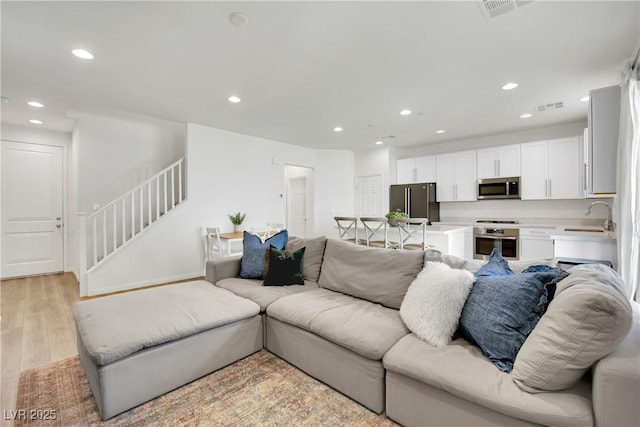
[(416, 200)]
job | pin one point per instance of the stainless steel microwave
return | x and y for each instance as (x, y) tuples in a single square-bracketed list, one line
[(499, 188)]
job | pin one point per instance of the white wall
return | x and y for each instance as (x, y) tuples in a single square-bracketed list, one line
[(116, 151), (226, 172), (335, 193)]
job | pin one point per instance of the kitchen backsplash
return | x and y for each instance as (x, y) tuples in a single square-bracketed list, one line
[(574, 209)]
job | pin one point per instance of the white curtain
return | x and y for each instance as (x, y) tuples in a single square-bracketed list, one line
[(628, 182)]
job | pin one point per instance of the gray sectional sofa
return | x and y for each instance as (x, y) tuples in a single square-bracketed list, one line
[(343, 327)]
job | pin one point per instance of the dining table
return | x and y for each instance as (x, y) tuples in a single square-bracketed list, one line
[(228, 239)]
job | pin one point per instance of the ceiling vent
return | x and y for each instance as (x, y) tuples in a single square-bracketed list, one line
[(492, 8), (552, 106)]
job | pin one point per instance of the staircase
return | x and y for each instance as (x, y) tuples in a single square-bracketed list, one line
[(108, 230)]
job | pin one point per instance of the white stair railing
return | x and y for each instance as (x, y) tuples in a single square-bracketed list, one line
[(114, 225)]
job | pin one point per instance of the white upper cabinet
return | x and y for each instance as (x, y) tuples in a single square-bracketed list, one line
[(420, 169), (456, 176), (552, 169), (499, 162)]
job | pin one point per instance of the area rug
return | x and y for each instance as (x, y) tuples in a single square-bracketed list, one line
[(260, 390)]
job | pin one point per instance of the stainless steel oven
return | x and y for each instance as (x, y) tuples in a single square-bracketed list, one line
[(496, 235)]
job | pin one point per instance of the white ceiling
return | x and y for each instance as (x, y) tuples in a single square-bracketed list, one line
[(302, 68)]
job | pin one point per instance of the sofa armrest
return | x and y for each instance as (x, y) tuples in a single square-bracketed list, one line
[(220, 268), (616, 381)]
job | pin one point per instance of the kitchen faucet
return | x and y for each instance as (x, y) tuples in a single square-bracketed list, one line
[(608, 223)]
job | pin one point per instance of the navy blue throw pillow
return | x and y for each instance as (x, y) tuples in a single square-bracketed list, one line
[(495, 266), (284, 269), (501, 311), (255, 253)]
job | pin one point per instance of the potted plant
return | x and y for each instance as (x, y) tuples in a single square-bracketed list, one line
[(237, 219), (395, 215)]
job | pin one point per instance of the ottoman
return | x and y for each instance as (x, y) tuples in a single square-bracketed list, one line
[(139, 345)]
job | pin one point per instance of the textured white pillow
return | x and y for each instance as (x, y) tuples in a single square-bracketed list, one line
[(433, 303)]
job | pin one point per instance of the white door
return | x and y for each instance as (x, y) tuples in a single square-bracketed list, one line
[(297, 206), (31, 209), (465, 176), (565, 169), (535, 165), (368, 202)]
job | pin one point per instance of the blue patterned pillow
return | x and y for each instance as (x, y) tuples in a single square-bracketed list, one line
[(495, 266), (501, 311), (254, 253)]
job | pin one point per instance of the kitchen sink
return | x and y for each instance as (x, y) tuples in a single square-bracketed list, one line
[(586, 230)]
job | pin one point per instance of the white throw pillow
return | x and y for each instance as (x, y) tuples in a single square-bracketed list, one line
[(433, 303)]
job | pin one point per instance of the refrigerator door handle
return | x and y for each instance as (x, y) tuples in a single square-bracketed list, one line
[(409, 202)]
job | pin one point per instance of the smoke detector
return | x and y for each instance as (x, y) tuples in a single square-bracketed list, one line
[(551, 106), (492, 8)]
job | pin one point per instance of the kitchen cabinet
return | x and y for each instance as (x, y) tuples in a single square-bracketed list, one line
[(456, 176), (552, 169), (499, 162), (602, 143), (419, 169), (536, 243)]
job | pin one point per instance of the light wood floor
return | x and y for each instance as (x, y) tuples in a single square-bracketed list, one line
[(37, 328)]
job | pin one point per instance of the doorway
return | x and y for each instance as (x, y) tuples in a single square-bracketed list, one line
[(299, 198), (32, 207), (368, 195)]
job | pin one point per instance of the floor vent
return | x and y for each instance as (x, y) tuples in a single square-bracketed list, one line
[(492, 8), (552, 106)]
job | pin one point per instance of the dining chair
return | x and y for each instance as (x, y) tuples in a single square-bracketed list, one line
[(413, 233), (374, 229), (272, 228), (347, 228), (213, 241)]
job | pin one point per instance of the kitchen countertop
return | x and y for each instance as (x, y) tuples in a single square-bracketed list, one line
[(559, 225)]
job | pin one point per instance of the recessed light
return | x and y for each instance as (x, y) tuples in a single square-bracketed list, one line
[(510, 86), (81, 53), (35, 104), (36, 122), (238, 19), (337, 129), (441, 131), (584, 98), (405, 112), (525, 115), (234, 99), (379, 142)]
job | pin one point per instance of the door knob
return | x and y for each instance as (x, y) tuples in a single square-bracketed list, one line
[(59, 225)]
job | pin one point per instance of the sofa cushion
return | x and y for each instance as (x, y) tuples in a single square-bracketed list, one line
[(460, 369), (589, 316), (375, 274), (501, 311), (313, 254), (363, 327), (262, 295), (255, 253), (452, 261), (433, 303), (284, 268), (116, 326), (495, 266)]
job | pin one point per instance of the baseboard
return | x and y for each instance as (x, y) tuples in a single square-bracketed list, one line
[(143, 284)]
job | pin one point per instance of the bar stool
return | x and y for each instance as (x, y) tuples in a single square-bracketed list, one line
[(373, 226), (347, 228), (413, 233)]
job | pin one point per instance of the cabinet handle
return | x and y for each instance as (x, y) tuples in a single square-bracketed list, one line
[(498, 167), (549, 188)]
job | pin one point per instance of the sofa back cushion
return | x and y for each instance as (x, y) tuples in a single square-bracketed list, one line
[(589, 316), (313, 255), (375, 274)]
